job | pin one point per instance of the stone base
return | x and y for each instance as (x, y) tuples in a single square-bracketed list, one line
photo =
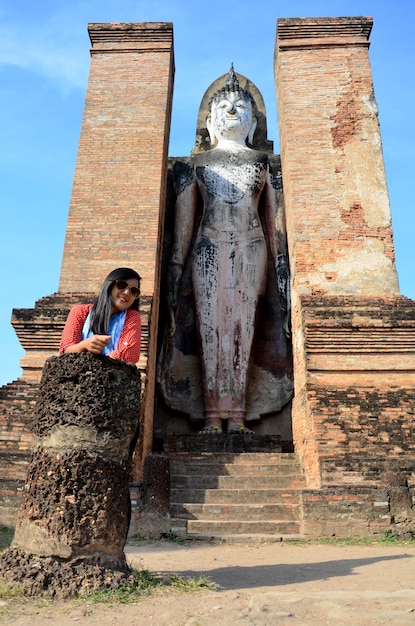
[(234, 443), (55, 578)]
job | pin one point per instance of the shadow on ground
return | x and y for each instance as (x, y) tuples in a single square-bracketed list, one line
[(231, 578)]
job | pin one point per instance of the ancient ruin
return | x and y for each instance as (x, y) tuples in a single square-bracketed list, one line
[(339, 457), (73, 520)]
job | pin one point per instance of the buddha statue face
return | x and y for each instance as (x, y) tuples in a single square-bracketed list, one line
[(231, 117)]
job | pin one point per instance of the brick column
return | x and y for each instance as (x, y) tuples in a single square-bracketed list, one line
[(120, 177), (338, 227), (339, 223)]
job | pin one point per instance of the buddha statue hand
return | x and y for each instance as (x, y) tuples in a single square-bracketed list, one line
[(283, 281), (284, 291), (174, 276)]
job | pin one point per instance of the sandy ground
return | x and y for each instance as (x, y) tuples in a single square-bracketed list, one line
[(259, 584)]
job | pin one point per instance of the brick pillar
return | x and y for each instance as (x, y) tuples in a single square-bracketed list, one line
[(120, 177), (338, 223)]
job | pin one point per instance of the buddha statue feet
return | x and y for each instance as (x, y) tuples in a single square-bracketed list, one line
[(213, 426), (236, 425), (239, 429)]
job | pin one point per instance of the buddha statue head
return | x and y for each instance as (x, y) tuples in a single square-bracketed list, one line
[(231, 116)]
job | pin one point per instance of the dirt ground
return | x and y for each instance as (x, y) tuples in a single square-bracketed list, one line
[(258, 584)]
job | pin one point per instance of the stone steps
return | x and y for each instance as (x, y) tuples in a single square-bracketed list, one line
[(236, 468), (229, 481), (226, 496), (19, 390), (229, 495), (232, 458), (232, 512), (223, 528)]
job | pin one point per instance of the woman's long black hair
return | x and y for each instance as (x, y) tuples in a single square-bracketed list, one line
[(102, 308)]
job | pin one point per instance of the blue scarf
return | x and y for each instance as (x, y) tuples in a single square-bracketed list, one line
[(115, 329)]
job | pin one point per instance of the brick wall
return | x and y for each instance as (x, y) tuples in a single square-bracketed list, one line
[(355, 399), (347, 511), (354, 414), (18, 400), (17, 403), (116, 214)]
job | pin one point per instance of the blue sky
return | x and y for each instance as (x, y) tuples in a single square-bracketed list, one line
[(44, 64)]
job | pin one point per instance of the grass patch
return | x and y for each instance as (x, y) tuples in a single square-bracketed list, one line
[(200, 583), (171, 537), (6, 537), (9, 592), (9, 598), (348, 541), (144, 583), (389, 537)]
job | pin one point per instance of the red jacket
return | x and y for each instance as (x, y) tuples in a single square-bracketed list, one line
[(130, 340)]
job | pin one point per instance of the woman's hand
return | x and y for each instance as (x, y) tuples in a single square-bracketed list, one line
[(94, 344)]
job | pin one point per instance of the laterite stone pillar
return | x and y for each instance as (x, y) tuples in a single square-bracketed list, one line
[(73, 520)]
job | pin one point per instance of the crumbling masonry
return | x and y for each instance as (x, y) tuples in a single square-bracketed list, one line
[(353, 333)]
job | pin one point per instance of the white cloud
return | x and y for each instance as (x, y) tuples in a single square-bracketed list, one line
[(55, 47)]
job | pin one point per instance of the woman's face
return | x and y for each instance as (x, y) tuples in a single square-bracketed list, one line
[(121, 295)]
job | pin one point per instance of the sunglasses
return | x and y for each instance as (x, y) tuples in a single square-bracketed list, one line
[(123, 285)]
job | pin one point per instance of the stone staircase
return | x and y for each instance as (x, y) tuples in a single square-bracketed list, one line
[(226, 494)]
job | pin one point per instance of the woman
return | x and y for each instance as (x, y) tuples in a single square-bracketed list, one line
[(110, 326)]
